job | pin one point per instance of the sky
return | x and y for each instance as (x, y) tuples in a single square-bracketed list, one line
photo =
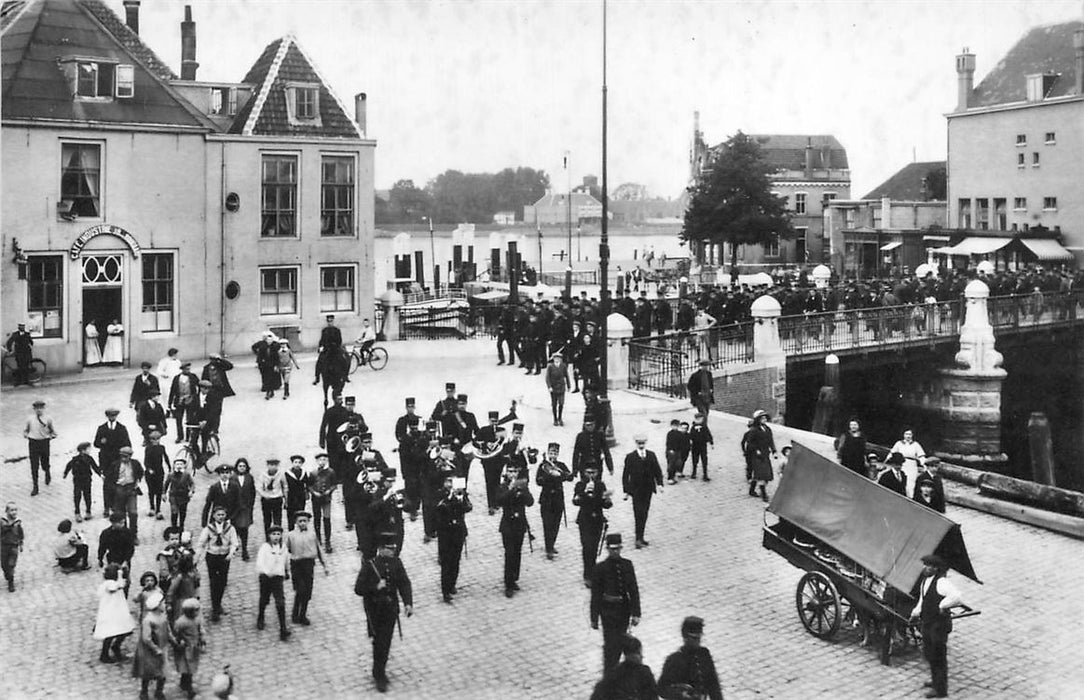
[(480, 85)]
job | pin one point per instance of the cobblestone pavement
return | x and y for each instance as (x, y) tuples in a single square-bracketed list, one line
[(705, 558)]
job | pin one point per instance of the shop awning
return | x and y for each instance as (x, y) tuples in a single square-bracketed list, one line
[(1047, 249), (937, 239), (979, 246), (891, 246)]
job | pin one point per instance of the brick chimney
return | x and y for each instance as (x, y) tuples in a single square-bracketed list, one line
[(809, 153), (189, 64), (131, 14), (359, 111), (1078, 48), (965, 72)]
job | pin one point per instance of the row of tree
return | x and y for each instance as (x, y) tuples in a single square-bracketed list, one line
[(455, 197)]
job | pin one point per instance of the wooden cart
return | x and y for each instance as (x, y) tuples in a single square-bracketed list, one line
[(861, 546)]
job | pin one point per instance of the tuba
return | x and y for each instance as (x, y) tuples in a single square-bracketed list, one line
[(488, 450), (352, 443)]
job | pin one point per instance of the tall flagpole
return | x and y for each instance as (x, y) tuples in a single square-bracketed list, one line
[(604, 260)]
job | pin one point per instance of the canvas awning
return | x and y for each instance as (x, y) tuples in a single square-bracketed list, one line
[(976, 246), (891, 246), (883, 531), (491, 295), (1047, 249)]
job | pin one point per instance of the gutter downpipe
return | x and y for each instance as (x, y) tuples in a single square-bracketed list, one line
[(222, 252)]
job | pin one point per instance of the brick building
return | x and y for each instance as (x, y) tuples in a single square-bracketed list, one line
[(195, 213)]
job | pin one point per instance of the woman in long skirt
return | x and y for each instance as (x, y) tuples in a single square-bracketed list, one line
[(114, 622), (267, 362), (93, 354), (114, 344), (758, 446), (155, 639)]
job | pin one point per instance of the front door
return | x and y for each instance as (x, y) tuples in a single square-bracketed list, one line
[(103, 306)]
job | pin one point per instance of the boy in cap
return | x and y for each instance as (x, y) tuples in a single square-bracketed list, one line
[(109, 438), (217, 544), (11, 542), (297, 490), (557, 382), (382, 581), (82, 466), (304, 548), (144, 386), (674, 443), (271, 562), (322, 484), (615, 599), (699, 439), (154, 471), (691, 666), (550, 477), (936, 598), (272, 489), (179, 488), (39, 432)]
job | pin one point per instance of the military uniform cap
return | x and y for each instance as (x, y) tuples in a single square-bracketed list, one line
[(387, 539), (389, 473), (449, 386), (349, 399), (613, 539), (461, 398), (692, 625), (494, 414), (410, 402), (517, 426), (365, 436), (554, 446), (431, 425), (154, 434)]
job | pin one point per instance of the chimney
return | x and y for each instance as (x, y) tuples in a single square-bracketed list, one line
[(808, 157), (886, 212), (1078, 48), (189, 64), (131, 14), (359, 111), (965, 72)]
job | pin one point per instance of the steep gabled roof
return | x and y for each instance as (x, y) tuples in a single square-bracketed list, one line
[(35, 86), (1046, 49), (787, 151), (558, 199), (907, 184), (265, 114)]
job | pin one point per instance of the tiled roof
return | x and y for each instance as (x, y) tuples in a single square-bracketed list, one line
[(1047, 49), (555, 199), (35, 86), (787, 151), (265, 113), (907, 185)]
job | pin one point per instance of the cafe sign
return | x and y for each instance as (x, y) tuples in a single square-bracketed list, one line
[(104, 229)]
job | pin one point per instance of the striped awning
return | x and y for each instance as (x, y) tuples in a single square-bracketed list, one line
[(975, 246), (891, 246), (1047, 249)]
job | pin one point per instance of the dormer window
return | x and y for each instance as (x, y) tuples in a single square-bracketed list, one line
[(93, 79), (223, 101), (303, 103), (1039, 85)]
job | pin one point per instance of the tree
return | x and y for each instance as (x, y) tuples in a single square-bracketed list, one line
[(732, 201), (630, 192), (408, 204), (514, 188), (935, 185)]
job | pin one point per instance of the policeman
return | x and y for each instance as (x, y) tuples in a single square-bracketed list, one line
[(690, 671), (514, 497), (592, 496), (331, 340), (381, 582), (551, 476), (615, 599), (451, 533)]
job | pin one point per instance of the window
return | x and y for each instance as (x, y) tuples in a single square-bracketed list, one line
[(223, 101), (1019, 160), (1050, 203), (125, 81), (1021, 139), (337, 196), (337, 288), (848, 218), (100, 79), (1001, 218), (303, 103), (1051, 138), (279, 196), (1035, 160), (45, 294), (157, 292), (306, 103), (80, 178), (827, 197), (965, 214), (982, 214), (278, 290), (772, 249), (1020, 203), (799, 203)]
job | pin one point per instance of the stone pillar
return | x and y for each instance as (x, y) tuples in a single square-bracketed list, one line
[(618, 333), (391, 301), (768, 355), (971, 403)]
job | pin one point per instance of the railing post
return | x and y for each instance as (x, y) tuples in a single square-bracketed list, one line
[(619, 330), (390, 302), (766, 346)]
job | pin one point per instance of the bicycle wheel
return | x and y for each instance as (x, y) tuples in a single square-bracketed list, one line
[(354, 362), (211, 450), (378, 358), (37, 370), (186, 453)]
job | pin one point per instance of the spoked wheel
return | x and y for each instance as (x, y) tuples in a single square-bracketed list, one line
[(354, 362), (378, 358), (37, 370), (819, 605)]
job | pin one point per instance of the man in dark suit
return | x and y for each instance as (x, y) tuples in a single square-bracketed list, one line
[(641, 476), (144, 386), (615, 599), (225, 492), (151, 416), (893, 478), (701, 388), (183, 397), (215, 372), (331, 340), (110, 437)]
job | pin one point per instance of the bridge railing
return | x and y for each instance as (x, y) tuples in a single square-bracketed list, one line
[(834, 330), (664, 363), (659, 368), (1035, 309)]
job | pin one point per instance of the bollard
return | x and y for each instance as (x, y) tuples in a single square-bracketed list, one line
[(1042, 449)]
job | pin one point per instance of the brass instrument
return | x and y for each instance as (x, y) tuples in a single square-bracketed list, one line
[(369, 481), (488, 450)]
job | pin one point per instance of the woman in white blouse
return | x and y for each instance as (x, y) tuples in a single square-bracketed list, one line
[(114, 345), (93, 352)]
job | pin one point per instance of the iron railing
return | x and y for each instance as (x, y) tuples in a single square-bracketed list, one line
[(1035, 309), (837, 330), (579, 277), (659, 368)]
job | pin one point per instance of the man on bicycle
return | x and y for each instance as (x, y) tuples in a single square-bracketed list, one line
[(366, 341), (203, 422)]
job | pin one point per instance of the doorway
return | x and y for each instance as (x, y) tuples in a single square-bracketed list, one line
[(101, 305)]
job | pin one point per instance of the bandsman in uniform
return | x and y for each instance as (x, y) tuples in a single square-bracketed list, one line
[(615, 599), (446, 405), (690, 671), (367, 476), (451, 533), (489, 446), (592, 496), (381, 582), (628, 679), (385, 511), (329, 439), (461, 425), (439, 464), (590, 448), (550, 477), (406, 435), (514, 497), (519, 455)]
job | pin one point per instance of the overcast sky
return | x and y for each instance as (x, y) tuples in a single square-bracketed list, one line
[(479, 85)]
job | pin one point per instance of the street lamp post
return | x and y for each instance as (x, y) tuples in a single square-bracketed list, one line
[(604, 261), (568, 268), (433, 256), (538, 227)]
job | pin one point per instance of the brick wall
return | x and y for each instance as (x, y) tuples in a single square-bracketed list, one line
[(742, 390)]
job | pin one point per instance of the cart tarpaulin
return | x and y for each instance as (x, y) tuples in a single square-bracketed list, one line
[(883, 531)]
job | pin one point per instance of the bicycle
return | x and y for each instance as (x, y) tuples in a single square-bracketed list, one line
[(193, 456), (35, 373), (376, 357)]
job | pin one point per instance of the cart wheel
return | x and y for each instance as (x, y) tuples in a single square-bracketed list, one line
[(819, 604)]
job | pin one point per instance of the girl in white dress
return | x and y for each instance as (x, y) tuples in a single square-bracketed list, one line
[(114, 346), (114, 621), (94, 350)]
